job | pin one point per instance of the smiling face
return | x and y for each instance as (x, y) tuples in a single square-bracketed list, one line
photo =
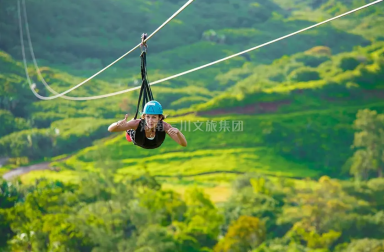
[(152, 120)]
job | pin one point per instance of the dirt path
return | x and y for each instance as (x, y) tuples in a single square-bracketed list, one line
[(25, 169)]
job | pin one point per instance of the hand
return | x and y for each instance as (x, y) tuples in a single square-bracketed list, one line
[(173, 131), (124, 120)]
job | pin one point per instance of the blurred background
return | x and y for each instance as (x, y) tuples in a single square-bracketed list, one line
[(295, 163)]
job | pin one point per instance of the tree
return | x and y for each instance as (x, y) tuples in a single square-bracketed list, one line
[(317, 212), (155, 238), (245, 234), (202, 221), (369, 141), (9, 195), (257, 196), (348, 63), (362, 245), (311, 60), (304, 74)]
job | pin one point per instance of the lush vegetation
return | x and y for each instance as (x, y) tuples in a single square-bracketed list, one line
[(137, 214), (309, 80), (96, 39), (305, 172)]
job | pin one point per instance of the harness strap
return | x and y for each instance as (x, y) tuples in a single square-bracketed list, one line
[(145, 90)]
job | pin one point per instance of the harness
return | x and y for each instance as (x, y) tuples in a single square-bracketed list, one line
[(145, 96)]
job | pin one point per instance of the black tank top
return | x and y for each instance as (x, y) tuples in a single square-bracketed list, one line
[(142, 141)]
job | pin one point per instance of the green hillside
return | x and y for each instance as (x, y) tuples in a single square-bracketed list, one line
[(299, 96), (86, 47), (315, 79)]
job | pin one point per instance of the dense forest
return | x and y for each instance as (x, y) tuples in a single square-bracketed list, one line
[(137, 214), (306, 173)]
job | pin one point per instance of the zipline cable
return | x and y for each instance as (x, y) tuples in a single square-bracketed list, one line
[(32, 52), (23, 52), (226, 58), (80, 84)]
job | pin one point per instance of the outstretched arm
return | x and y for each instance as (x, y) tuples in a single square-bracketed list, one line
[(175, 134), (123, 125)]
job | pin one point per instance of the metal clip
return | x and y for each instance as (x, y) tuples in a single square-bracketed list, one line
[(143, 45)]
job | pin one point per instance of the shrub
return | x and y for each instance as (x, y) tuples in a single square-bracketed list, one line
[(304, 74)]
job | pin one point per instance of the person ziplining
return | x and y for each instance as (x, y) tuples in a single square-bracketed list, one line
[(150, 130)]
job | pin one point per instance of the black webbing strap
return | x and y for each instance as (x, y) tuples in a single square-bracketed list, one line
[(145, 90)]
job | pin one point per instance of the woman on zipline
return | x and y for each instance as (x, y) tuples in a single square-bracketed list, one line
[(149, 131)]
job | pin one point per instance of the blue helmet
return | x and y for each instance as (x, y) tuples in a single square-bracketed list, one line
[(153, 108)]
